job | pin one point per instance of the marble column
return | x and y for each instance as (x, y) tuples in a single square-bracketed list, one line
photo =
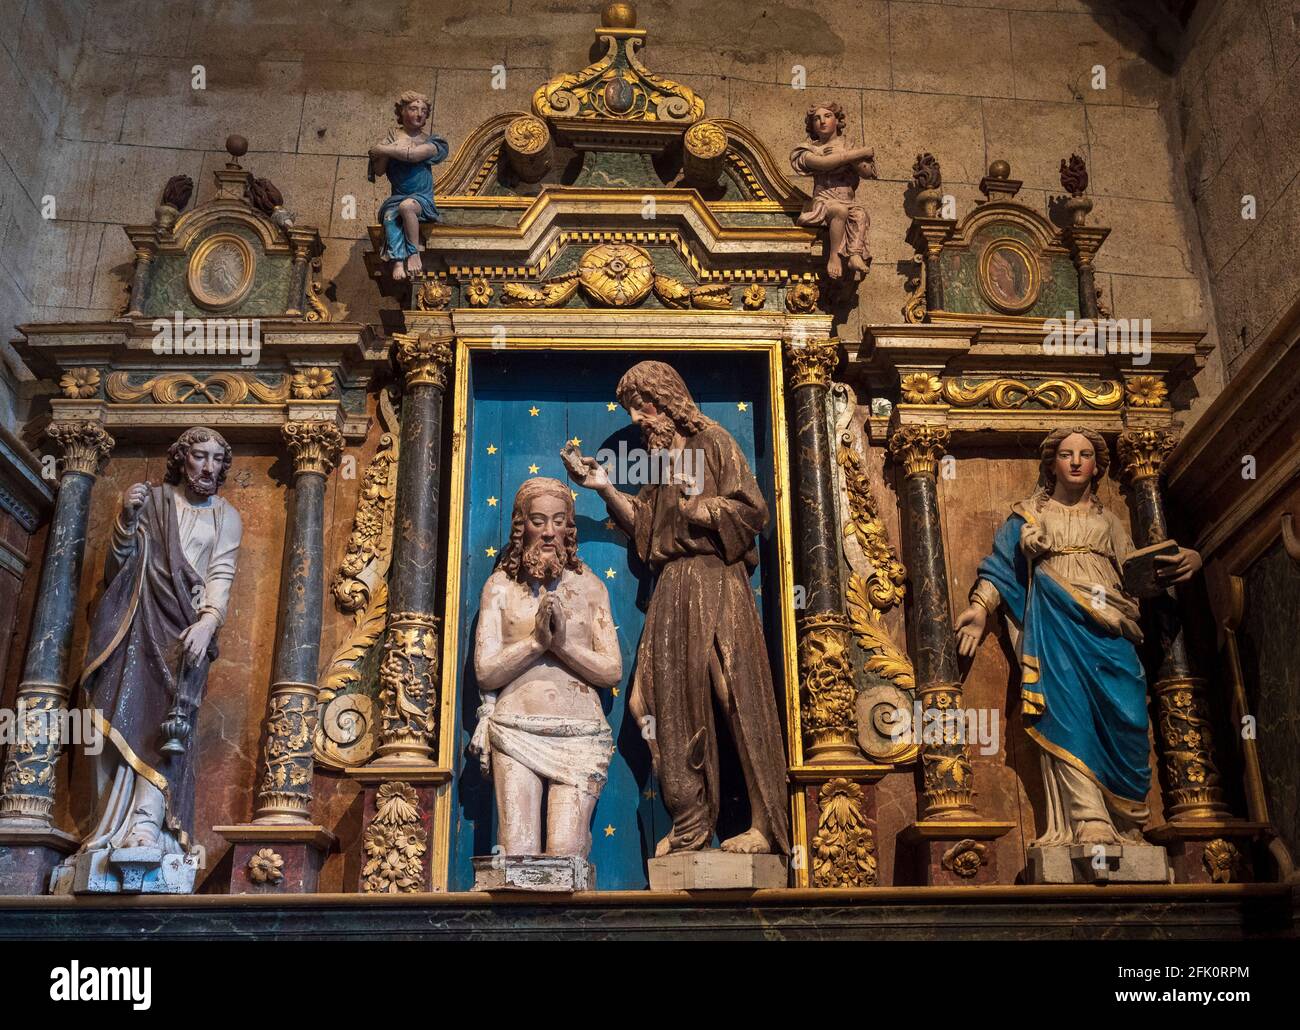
[(947, 767), (1084, 242), (30, 846), (826, 676), (408, 674), (946, 845), (282, 850), (1184, 740)]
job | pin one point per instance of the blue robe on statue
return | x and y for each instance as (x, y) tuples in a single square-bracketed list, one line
[(413, 182), (1083, 685)]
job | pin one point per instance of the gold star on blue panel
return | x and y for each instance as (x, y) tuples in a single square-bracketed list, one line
[(534, 411), (742, 406)]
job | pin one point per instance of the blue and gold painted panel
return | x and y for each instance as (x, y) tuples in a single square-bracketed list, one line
[(522, 406)]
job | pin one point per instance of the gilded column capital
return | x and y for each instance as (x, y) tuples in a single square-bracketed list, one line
[(83, 446), (423, 358), (919, 448), (1142, 452), (813, 362), (316, 445)]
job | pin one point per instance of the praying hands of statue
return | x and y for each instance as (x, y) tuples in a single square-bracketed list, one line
[(971, 627), (1178, 568)]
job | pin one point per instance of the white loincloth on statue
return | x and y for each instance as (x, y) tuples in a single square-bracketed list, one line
[(575, 752)]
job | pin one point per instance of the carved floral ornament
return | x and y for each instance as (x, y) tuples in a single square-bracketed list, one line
[(395, 842), (266, 866), (79, 383), (844, 848), (964, 858)]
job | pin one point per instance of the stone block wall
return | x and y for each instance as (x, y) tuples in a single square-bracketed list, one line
[(106, 88), (1238, 100)]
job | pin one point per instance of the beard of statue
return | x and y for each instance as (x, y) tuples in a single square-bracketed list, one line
[(540, 564), (658, 431), (201, 486)]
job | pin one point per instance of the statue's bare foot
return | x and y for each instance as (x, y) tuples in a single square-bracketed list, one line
[(751, 842), (399, 271), (664, 847), (858, 264), (1095, 831), (834, 267), (414, 266)]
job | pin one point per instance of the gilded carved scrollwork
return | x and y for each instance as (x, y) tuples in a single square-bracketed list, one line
[(844, 847), (673, 293), (617, 274), (395, 843), (345, 734), (1053, 394), (32, 758), (552, 294), (964, 858)]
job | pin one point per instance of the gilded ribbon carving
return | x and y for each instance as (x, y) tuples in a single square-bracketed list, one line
[(182, 388), (1053, 394)]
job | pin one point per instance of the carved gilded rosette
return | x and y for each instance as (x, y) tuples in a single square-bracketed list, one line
[(285, 790), (395, 842), (315, 445), (528, 147), (919, 448), (408, 685), (844, 847), (945, 762), (423, 358), (704, 151), (83, 446), (826, 681), (1192, 782), (1142, 452), (812, 363)]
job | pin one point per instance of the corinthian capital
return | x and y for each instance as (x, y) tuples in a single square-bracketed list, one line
[(812, 363), (316, 446), (1142, 452), (919, 448), (424, 358), (83, 446)]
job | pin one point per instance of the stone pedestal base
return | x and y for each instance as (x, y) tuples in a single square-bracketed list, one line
[(716, 871), (27, 857), (127, 871), (952, 852), (1098, 863), (560, 873), (276, 859)]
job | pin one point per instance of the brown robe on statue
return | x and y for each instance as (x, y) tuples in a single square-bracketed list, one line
[(703, 627)]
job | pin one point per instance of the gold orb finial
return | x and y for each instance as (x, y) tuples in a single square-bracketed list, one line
[(618, 15), (1000, 170)]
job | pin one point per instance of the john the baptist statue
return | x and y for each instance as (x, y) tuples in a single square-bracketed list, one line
[(152, 638), (703, 639)]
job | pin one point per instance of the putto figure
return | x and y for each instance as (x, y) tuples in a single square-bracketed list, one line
[(545, 644), (703, 639), (152, 640), (836, 169), (1057, 567), (407, 156)]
